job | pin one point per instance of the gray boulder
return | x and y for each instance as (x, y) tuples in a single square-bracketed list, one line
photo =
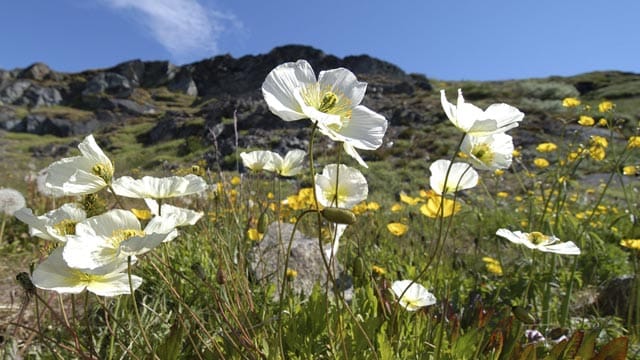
[(38, 71), (108, 83), (267, 261)]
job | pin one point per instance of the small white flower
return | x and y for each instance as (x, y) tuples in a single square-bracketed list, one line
[(256, 160), (341, 186), (80, 175), (11, 201), (291, 165), (150, 187), (332, 102), (447, 178), (412, 296), (54, 274), (54, 225), (489, 152), (469, 118), (538, 241)]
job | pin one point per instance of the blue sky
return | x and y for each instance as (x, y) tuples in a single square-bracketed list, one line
[(446, 40)]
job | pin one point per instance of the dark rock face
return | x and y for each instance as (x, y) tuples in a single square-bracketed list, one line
[(108, 83), (223, 87)]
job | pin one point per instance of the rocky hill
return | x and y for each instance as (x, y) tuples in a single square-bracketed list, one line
[(155, 113)]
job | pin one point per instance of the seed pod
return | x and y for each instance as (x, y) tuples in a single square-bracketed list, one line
[(524, 315), (221, 278), (25, 281), (263, 221), (360, 272), (339, 215)]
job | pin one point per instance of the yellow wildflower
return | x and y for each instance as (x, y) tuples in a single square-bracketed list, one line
[(605, 106), (570, 102), (634, 142), (373, 206), (631, 243), (408, 199), (493, 265), (397, 229), (254, 235), (396, 207), (547, 147), (597, 148), (630, 170), (541, 163), (378, 270), (498, 172), (502, 194), (586, 120), (516, 153), (235, 180), (291, 274), (432, 208), (603, 122)]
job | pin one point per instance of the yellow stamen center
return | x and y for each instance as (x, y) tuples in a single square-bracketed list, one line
[(65, 227), (483, 153), (103, 171), (537, 238)]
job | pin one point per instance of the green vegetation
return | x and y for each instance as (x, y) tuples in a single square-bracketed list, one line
[(495, 299)]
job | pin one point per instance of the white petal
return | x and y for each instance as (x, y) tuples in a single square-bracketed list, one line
[(89, 252), (106, 224), (506, 116), (293, 163), (365, 129), (351, 151), (565, 248), (54, 274), (343, 81), (113, 284), (280, 85), (90, 150), (139, 245), (449, 108)]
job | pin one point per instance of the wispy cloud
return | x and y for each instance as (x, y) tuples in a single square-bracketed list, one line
[(183, 27)]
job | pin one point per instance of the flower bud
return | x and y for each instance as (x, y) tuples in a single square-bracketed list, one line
[(524, 315), (338, 215)]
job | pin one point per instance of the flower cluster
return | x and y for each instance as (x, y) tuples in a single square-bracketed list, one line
[(95, 253)]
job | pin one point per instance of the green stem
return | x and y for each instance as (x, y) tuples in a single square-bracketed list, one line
[(137, 313)]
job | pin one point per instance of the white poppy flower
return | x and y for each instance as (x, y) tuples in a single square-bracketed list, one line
[(180, 216), (332, 102), (55, 274), (538, 241), (80, 175), (159, 188), (469, 118), (412, 296), (460, 176), (256, 160), (291, 165), (341, 186), (489, 152), (54, 225), (11, 201), (109, 238)]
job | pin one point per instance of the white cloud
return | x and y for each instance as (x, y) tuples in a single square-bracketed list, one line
[(183, 27)]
